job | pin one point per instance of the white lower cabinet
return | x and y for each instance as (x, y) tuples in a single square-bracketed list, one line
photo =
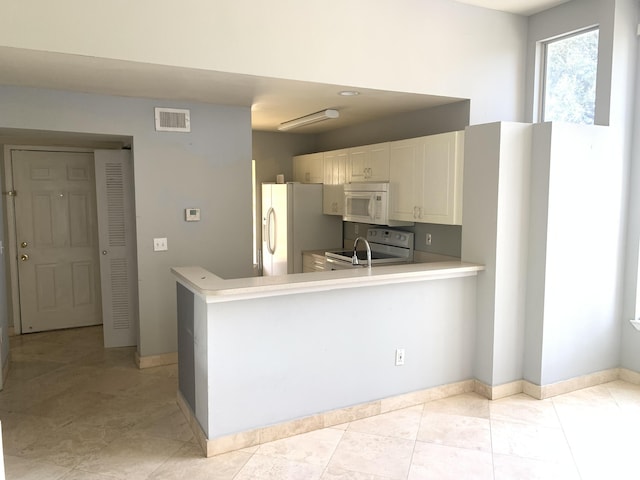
[(313, 262), (426, 179)]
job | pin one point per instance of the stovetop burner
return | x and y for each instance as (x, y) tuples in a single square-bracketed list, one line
[(387, 246)]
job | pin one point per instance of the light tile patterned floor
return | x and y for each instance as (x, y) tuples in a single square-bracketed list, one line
[(72, 410)]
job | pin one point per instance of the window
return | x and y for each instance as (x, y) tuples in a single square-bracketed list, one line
[(569, 86)]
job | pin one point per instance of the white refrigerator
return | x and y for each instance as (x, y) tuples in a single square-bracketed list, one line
[(292, 222)]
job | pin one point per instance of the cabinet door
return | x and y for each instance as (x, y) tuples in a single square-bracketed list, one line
[(441, 190), (369, 163), (308, 168), (335, 167), (378, 165), (333, 200), (357, 164), (404, 172)]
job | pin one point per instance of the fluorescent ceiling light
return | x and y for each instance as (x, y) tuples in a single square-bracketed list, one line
[(309, 119)]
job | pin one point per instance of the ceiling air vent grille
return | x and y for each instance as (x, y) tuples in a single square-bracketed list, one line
[(172, 120)]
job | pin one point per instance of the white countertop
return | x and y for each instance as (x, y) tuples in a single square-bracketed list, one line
[(216, 289)]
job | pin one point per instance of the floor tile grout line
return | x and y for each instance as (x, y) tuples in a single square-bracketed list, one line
[(335, 448), (566, 438), (415, 441)]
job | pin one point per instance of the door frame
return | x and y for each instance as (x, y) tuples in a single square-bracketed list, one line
[(13, 295)]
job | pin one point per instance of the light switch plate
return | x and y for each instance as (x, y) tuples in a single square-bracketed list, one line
[(160, 244)]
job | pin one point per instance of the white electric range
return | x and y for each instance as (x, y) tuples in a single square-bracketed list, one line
[(388, 247)]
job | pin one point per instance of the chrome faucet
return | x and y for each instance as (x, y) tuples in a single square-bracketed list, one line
[(354, 259)]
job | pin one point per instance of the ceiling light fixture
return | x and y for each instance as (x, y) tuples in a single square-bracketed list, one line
[(309, 119), (349, 93)]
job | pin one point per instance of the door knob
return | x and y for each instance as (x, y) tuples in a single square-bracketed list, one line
[(24, 257), (24, 244)]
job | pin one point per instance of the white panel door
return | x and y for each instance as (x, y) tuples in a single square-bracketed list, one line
[(117, 240), (59, 279)]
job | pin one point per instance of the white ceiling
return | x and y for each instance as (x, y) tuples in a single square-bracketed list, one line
[(273, 101), (519, 7)]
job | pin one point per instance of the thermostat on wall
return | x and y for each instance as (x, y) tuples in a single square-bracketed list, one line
[(192, 214)]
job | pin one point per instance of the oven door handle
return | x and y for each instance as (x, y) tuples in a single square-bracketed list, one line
[(271, 215)]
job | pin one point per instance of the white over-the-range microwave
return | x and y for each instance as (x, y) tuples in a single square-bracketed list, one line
[(368, 203)]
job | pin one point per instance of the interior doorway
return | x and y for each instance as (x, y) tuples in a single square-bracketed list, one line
[(113, 259)]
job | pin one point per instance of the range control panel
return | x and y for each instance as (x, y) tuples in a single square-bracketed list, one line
[(385, 236)]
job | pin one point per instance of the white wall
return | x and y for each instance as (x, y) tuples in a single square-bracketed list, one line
[(208, 168), (437, 47)]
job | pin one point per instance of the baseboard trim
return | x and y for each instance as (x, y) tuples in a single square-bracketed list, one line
[(630, 376), (555, 389), (571, 385), (150, 361), (250, 438), (499, 391)]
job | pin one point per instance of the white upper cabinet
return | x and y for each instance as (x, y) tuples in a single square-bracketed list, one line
[(308, 168), (369, 163), (335, 167), (426, 179), (335, 176)]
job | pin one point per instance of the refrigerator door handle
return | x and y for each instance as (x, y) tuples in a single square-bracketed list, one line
[(271, 217)]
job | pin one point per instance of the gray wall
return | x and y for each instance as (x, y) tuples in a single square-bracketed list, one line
[(208, 168), (273, 153), (630, 336), (297, 358), (573, 295), (4, 270), (495, 218), (617, 85), (430, 121)]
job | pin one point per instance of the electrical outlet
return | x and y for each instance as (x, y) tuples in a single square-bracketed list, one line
[(160, 244), (427, 239), (399, 356)]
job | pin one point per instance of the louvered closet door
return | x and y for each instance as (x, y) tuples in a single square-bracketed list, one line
[(117, 239)]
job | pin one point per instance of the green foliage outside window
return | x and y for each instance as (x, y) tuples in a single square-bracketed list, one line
[(570, 78)]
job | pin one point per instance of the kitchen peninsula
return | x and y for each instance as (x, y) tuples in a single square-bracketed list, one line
[(263, 358)]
